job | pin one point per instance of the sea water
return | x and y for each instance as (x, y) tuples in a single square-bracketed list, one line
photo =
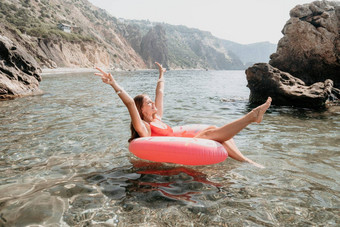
[(64, 158)]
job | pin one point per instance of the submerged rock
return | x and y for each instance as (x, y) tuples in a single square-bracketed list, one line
[(310, 48), (264, 80), (19, 72)]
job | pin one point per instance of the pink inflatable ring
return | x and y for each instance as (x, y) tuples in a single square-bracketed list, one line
[(180, 149)]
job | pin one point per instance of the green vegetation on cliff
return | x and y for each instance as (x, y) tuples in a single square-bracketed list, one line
[(39, 19)]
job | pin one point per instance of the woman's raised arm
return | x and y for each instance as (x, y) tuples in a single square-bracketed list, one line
[(160, 90), (137, 122)]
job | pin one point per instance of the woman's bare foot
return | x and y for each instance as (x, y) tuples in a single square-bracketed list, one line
[(260, 110), (255, 164)]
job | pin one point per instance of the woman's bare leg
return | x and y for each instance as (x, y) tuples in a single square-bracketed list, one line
[(228, 131), (233, 151), (236, 154)]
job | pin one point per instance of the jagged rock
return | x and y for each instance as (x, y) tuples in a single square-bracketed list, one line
[(310, 48), (19, 72), (154, 48), (264, 80)]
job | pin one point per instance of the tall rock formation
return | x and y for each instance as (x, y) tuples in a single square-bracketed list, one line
[(154, 47), (310, 48), (305, 70)]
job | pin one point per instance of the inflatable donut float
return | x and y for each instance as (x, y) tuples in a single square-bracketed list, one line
[(180, 148)]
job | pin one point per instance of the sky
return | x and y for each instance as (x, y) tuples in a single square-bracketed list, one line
[(241, 21)]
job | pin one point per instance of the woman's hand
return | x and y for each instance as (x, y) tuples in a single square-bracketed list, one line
[(106, 77), (160, 68)]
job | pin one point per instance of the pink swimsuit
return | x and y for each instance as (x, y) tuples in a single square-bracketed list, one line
[(158, 128)]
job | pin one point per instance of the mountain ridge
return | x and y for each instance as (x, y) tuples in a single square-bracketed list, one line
[(101, 39)]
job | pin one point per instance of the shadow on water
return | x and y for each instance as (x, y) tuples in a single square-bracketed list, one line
[(155, 185), (92, 197)]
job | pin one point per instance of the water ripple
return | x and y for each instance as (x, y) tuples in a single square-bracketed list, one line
[(64, 159)]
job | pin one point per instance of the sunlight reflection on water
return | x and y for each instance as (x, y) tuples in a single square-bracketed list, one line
[(64, 158)]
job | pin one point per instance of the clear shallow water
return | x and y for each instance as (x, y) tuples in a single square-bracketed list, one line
[(64, 159)]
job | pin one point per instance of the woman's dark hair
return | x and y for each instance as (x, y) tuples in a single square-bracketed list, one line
[(139, 99)]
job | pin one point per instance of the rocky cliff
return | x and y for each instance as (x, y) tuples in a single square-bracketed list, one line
[(93, 39), (251, 53), (97, 38), (185, 47), (153, 47), (310, 48)]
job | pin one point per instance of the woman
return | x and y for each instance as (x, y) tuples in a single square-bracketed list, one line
[(146, 117)]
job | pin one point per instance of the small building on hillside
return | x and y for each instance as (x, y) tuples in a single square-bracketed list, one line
[(65, 27)]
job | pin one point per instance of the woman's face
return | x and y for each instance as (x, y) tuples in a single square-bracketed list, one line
[(148, 108)]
